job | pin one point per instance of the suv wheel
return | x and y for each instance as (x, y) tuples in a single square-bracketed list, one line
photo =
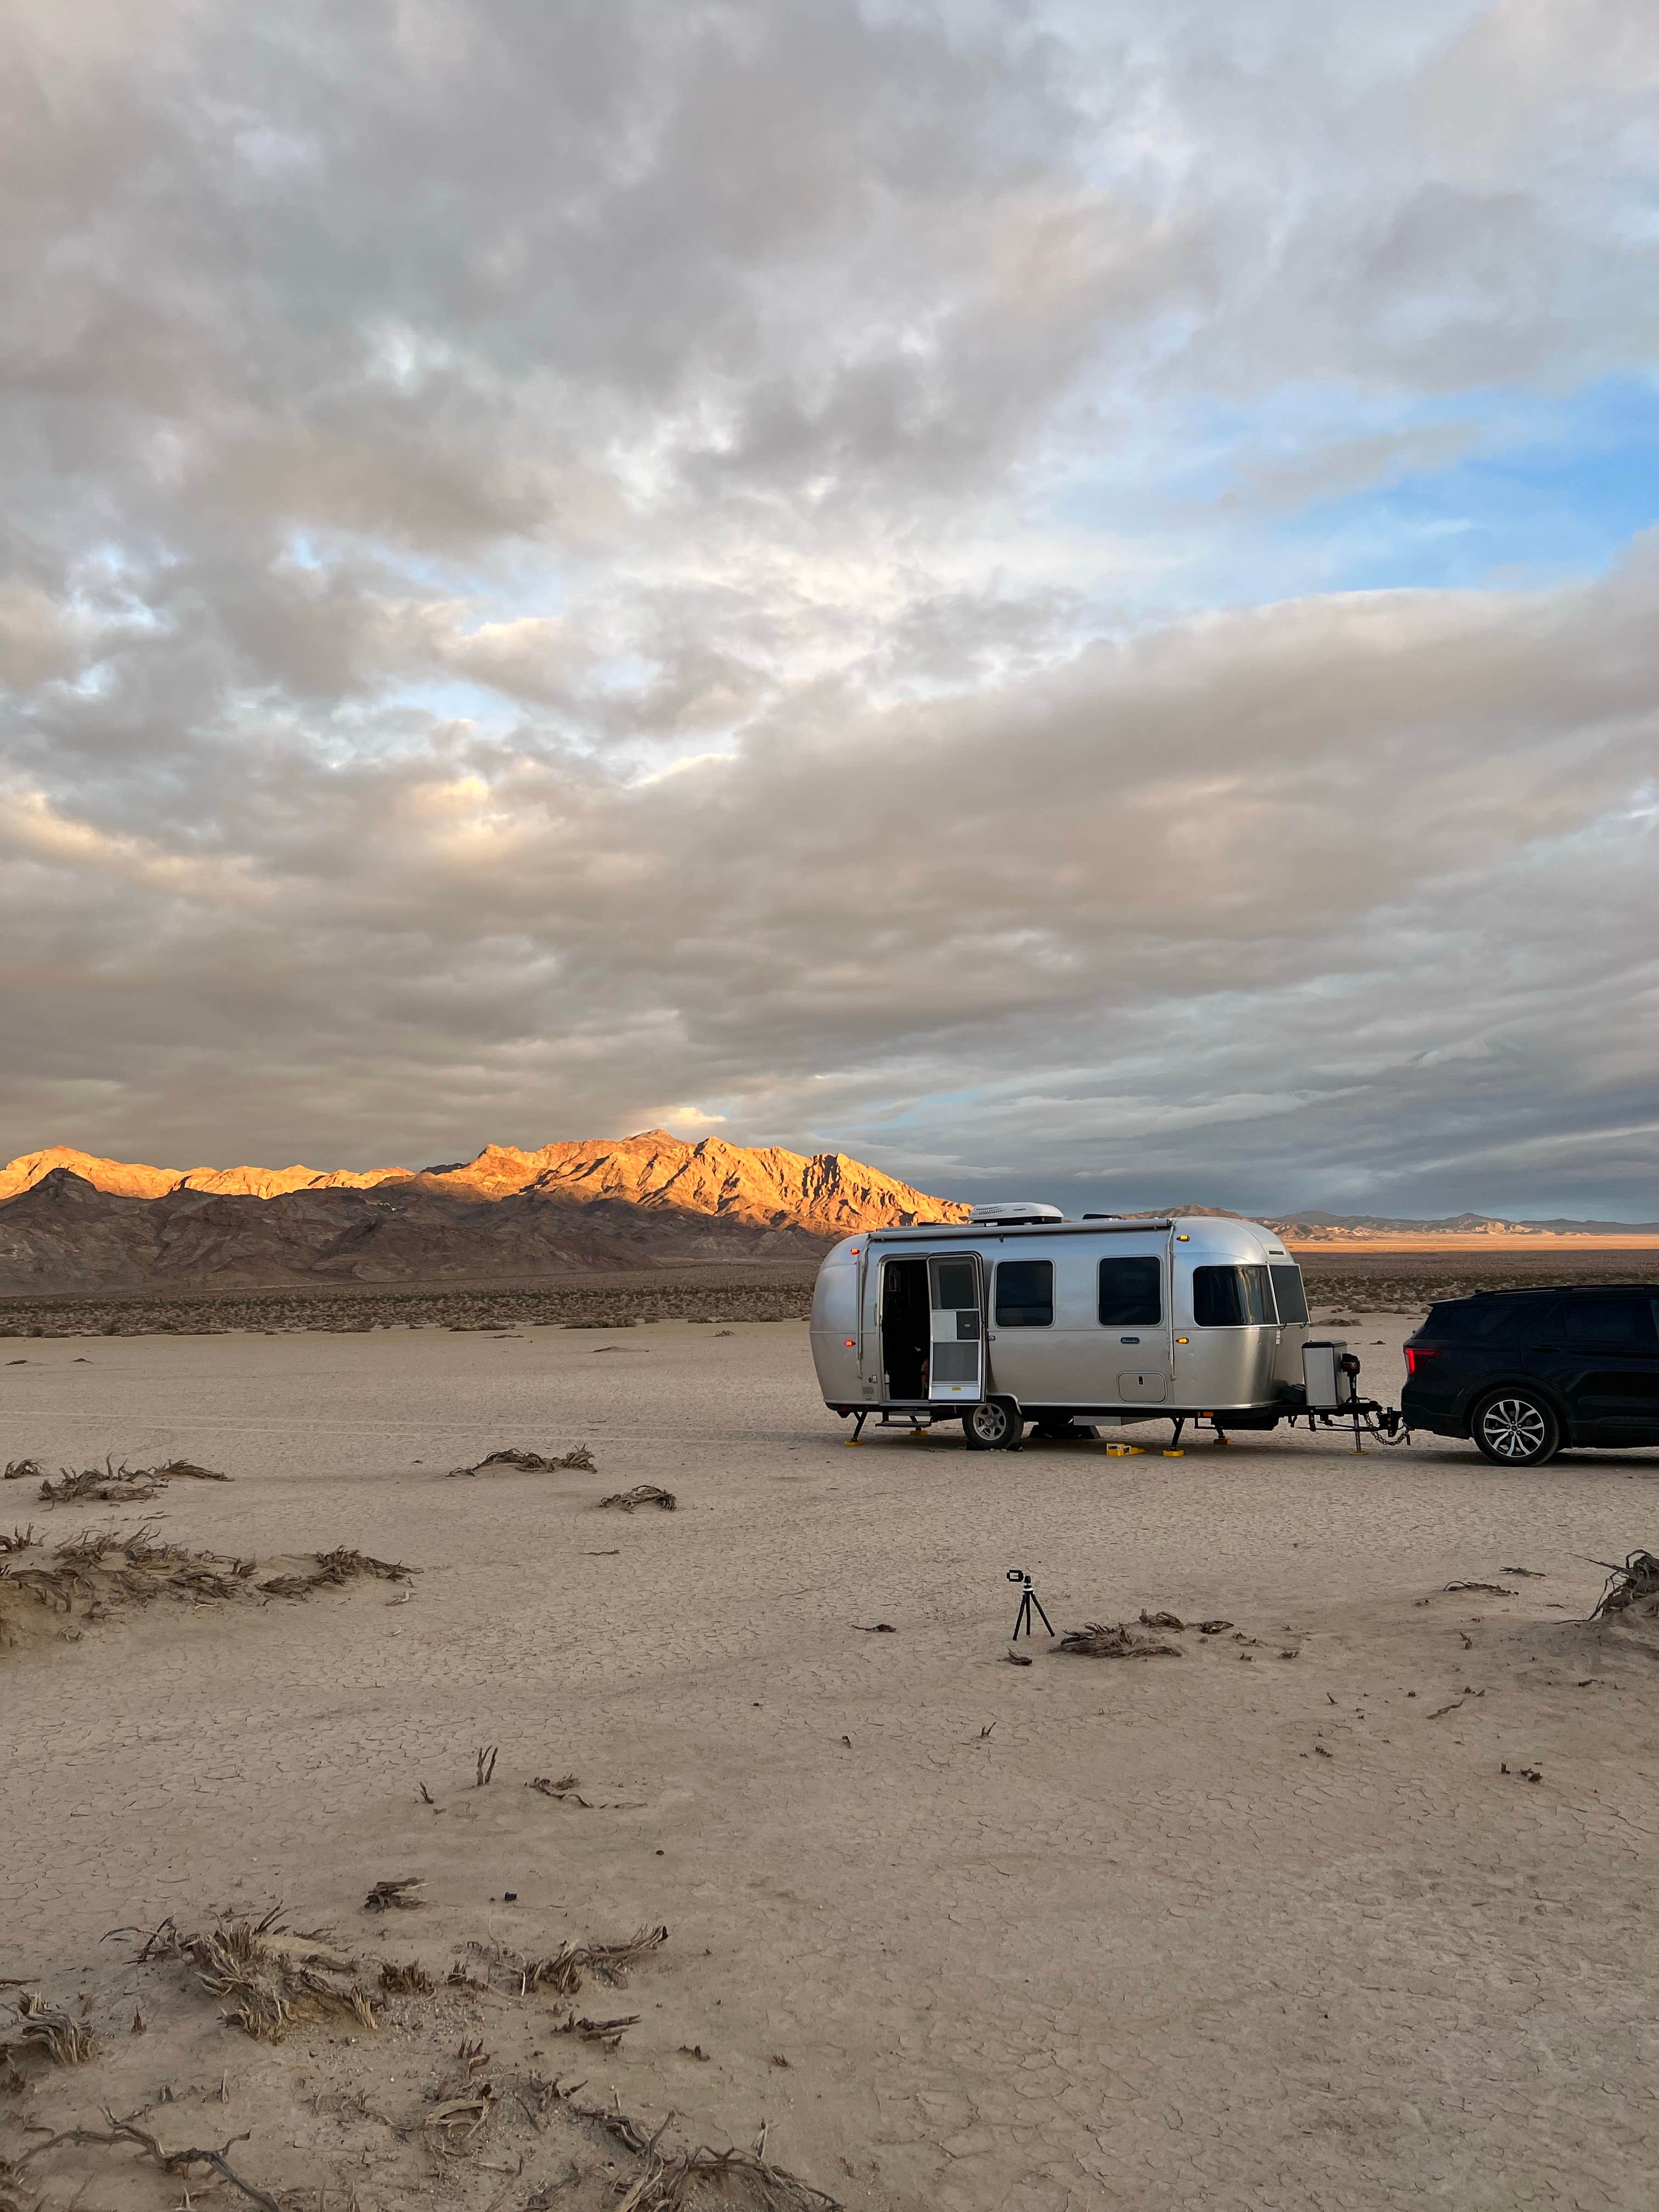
[(994, 1425), (1516, 1429)]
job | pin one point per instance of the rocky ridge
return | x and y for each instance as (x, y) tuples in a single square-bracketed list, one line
[(828, 1193), (71, 1222)]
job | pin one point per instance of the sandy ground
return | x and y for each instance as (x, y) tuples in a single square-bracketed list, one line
[(1229, 1931)]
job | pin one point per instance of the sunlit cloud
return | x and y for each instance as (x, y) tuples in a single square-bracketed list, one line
[(1058, 594)]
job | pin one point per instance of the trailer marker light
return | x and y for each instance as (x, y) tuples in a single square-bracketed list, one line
[(848, 1341), (1182, 1238), (1180, 1339)]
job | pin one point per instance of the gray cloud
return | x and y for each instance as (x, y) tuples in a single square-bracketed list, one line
[(541, 593)]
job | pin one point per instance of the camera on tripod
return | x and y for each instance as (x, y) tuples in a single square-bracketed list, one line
[(1029, 1603)]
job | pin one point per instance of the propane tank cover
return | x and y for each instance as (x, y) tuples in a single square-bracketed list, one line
[(1327, 1375)]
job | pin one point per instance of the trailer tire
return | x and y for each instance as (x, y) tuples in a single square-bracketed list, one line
[(994, 1425)]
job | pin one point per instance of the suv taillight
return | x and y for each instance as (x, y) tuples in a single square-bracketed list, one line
[(1416, 1355)]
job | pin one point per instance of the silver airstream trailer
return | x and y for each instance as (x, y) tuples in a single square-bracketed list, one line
[(1020, 1315)]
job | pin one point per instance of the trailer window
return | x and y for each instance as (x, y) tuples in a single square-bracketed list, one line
[(1290, 1292), (1217, 1297), (1231, 1297), (1025, 1294), (1130, 1293)]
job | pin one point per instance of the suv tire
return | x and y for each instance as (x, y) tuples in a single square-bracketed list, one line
[(994, 1425), (1517, 1428)]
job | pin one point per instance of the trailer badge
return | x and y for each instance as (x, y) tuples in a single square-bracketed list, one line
[(1029, 1599)]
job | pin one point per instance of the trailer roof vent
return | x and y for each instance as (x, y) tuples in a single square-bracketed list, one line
[(1014, 1213)]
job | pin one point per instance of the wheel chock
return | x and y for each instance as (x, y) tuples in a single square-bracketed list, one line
[(1168, 1454)]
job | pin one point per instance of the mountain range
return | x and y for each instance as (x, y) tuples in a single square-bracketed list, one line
[(70, 1221)]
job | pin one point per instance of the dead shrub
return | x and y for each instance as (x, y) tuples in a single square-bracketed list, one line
[(564, 1973), (412, 1980), (110, 1485), (264, 1984), (395, 1896), (580, 1460), (100, 1571), (678, 2180), (1635, 1584), (48, 2033), (1102, 1640)]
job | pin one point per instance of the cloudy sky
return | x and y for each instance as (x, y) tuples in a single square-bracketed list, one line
[(1058, 594)]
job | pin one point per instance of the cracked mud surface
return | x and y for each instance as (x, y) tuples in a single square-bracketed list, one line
[(1233, 1932)]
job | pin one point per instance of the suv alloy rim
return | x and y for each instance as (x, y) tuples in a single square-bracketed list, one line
[(1514, 1427)]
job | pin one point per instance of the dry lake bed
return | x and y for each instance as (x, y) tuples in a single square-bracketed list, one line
[(1347, 1904)]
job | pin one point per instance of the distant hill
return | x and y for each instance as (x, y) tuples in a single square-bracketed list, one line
[(1313, 1226), (70, 1221), (1316, 1227)]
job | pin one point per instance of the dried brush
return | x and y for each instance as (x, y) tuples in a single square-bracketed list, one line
[(394, 1896), (580, 1460), (412, 1980), (262, 1988), (564, 1974), (1102, 1640), (681, 2180), (52, 2034), (1626, 1586)]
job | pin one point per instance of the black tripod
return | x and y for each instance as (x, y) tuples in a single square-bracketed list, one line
[(1029, 1602)]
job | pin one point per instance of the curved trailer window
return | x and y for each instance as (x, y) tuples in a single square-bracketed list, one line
[(1291, 1293), (1232, 1297)]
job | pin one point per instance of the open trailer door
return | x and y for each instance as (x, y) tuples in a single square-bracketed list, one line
[(956, 1300)]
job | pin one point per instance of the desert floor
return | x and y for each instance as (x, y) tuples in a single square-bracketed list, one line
[(1239, 1929)]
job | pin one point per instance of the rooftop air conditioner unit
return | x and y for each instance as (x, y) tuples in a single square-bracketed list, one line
[(1013, 1213)]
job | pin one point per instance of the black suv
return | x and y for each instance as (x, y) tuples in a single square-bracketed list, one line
[(1524, 1373)]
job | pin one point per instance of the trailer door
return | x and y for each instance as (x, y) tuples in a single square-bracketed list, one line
[(956, 1295)]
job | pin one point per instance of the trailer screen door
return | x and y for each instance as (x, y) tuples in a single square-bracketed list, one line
[(956, 1329)]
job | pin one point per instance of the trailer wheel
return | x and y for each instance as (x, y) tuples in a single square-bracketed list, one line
[(994, 1425)]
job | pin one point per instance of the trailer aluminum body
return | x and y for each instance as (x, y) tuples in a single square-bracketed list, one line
[(1100, 1320)]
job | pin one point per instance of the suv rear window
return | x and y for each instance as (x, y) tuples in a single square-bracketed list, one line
[(1483, 1320), (1616, 1324)]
